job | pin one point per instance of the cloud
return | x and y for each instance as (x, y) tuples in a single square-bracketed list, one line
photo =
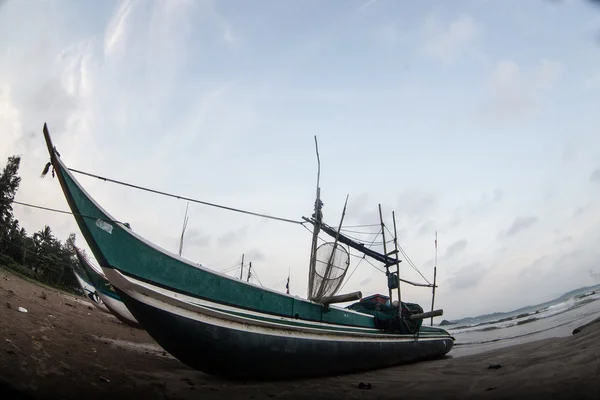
[(451, 41), (412, 207), (484, 203), (456, 247), (581, 210), (366, 5), (520, 224), (564, 239), (194, 237), (595, 176), (515, 92), (117, 27), (255, 255), (232, 237), (468, 277), (426, 228)]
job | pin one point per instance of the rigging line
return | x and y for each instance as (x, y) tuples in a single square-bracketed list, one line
[(37, 256), (353, 271), (360, 226), (410, 262), (255, 275), (374, 266), (65, 212), (379, 243), (226, 270), (359, 232), (364, 257), (320, 238), (186, 198)]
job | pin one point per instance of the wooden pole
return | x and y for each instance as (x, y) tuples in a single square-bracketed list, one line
[(387, 267), (342, 298), (242, 267), (397, 264), (329, 269), (434, 276), (185, 221), (317, 226), (431, 314)]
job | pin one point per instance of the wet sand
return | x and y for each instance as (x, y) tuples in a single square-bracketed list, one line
[(63, 347)]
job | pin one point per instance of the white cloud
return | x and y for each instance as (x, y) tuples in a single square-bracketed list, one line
[(515, 91), (448, 42), (116, 30), (10, 122)]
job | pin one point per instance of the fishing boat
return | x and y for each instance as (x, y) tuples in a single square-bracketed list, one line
[(106, 293), (229, 327), (89, 290)]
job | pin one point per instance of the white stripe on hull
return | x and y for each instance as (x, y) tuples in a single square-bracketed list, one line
[(177, 304), (118, 307)]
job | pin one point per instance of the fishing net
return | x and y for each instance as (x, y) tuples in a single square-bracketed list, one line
[(332, 261)]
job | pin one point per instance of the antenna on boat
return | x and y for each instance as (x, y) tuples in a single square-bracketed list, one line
[(434, 275), (185, 221), (318, 215)]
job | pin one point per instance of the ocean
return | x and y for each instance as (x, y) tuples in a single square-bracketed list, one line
[(556, 318)]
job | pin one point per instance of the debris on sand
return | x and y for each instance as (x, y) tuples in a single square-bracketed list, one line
[(23, 310)]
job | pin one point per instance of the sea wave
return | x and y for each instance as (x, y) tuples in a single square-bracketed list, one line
[(528, 316)]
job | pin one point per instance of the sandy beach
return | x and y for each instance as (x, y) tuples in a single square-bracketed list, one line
[(63, 347)]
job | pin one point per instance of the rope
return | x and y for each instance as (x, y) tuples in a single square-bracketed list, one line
[(364, 257), (64, 212), (409, 260), (185, 198), (359, 232), (360, 226), (37, 255)]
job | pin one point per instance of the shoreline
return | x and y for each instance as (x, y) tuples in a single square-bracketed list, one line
[(65, 348)]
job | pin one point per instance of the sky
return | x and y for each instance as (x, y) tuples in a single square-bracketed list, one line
[(476, 119)]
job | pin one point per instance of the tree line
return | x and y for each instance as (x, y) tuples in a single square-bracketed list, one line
[(41, 255)]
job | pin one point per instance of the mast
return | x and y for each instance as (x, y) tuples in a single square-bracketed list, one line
[(387, 267), (185, 221), (317, 216), (242, 267), (249, 272), (434, 276), (397, 265)]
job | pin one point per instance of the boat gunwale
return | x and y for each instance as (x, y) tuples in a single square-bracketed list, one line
[(151, 287), (134, 290)]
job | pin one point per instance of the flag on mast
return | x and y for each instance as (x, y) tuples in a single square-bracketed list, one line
[(287, 286)]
